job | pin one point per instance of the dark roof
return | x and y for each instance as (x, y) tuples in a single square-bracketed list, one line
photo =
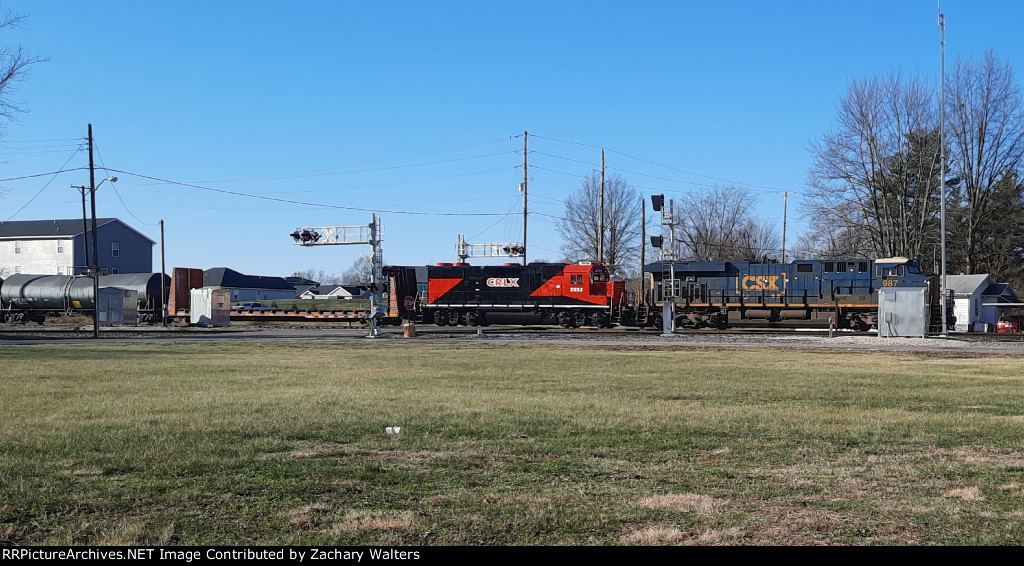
[(224, 277), (66, 228), (1003, 291)]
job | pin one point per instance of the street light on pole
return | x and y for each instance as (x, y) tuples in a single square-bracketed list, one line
[(95, 268)]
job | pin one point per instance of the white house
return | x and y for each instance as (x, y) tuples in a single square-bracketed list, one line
[(335, 292), (976, 299)]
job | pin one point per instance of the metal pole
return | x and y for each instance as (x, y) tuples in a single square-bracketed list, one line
[(600, 229), (163, 271), (643, 243), (942, 161), (525, 209), (95, 247), (375, 277), (785, 204)]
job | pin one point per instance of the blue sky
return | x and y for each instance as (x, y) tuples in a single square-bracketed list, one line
[(237, 122)]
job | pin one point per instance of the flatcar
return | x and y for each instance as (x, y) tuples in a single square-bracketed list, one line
[(836, 291), (569, 295)]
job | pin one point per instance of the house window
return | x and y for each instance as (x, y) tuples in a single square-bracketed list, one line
[(60, 247), (60, 270), (17, 246), (17, 269), (115, 249)]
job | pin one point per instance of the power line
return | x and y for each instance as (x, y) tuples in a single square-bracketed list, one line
[(649, 162), (303, 203), (355, 171), (59, 171)]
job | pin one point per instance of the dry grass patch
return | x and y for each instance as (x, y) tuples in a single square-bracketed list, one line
[(654, 536), (695, 503), (800, 526), (377, 520), (719, 536), (304, 517), (971, 493)]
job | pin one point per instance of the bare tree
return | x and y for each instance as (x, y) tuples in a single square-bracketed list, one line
[(986, 125), (14, 63), (580, 225), (359, 273), (320, 276), (875, 179), (720, 226)]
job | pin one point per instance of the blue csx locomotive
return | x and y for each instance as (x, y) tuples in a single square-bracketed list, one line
[(720, 294)]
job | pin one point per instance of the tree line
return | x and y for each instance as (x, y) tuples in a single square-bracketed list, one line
[(875, 188)]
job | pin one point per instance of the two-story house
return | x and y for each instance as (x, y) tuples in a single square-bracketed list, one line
[(58, 247)]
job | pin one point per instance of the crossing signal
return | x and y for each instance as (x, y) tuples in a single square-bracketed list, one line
[(656, 241), (305, 236), (658, 202)]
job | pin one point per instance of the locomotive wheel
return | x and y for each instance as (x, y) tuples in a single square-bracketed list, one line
[(564, 319), (441, 318), (578, 319)]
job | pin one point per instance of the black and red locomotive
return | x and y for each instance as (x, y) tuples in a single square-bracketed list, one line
[(569, 295)]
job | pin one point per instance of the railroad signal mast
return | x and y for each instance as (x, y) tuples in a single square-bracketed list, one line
[(466, 250), (669, 250), (349, 235)]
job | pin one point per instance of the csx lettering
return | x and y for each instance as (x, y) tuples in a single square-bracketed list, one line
[(760, 283), (503, 282)]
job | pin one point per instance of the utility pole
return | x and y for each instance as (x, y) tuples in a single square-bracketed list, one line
[(95, 270), (600, 239), (525, 209)]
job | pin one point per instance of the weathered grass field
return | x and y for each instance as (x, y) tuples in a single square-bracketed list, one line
[(506, 445)]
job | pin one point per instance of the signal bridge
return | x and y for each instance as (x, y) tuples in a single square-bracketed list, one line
[(346, 235)]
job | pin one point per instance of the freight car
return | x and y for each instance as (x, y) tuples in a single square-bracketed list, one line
[(723, 294), (25, 297), (569, 295)]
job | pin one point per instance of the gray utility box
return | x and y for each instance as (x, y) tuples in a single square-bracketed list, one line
[(902, 311), (210, 307), (118, 306)]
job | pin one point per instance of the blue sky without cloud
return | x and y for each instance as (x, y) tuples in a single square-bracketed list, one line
[(237, 122)]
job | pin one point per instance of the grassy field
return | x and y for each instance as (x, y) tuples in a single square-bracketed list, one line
[(527, 444)]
